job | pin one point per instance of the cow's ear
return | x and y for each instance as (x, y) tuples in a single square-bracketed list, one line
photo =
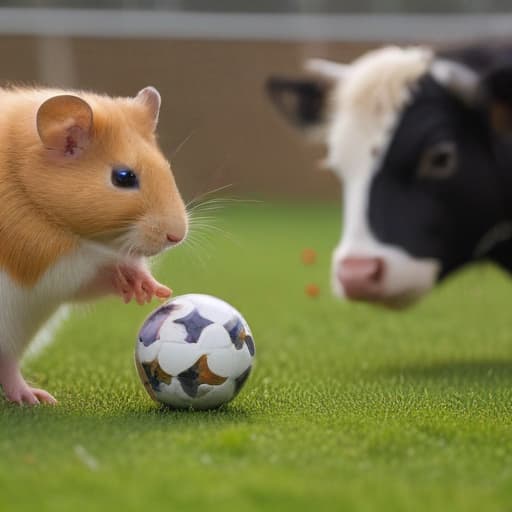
[(458, 79), (301, 102), (497, 88), (491, 91), (304, 102)]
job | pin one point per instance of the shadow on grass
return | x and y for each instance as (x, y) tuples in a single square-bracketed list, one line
[(63, 422), (162, 414), (223, 414), (476, 371)]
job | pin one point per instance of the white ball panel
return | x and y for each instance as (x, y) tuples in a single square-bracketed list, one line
[(229, 362), (212, 308), (149, 353), (213, 337), (175, 358), (172, 332), (216, 396), (184, 307), (173, 394)]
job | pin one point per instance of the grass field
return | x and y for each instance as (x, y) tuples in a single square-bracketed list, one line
[(349, 407)]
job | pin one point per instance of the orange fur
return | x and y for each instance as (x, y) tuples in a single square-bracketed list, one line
[(50, 202)]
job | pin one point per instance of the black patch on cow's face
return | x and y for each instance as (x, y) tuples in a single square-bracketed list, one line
[(439, 161), (480, 58), (443, 208)]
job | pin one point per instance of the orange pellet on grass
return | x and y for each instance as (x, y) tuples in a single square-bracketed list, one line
[(312, 290), (308, 256)]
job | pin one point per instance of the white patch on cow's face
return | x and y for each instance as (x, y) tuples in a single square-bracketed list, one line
[(404, 278), (366, 108)]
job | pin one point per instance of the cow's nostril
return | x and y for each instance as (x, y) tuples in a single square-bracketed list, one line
[(361, 277), (378, 270), (363, 268)]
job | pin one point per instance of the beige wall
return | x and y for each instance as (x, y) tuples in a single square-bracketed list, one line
[(211, 89)]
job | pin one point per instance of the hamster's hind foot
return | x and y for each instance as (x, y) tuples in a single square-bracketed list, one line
[(15, 388), (25, 395)]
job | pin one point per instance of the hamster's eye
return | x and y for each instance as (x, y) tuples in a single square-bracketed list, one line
[(124, 178)]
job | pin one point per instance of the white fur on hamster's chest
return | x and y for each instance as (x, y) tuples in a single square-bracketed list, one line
[(23, 310)]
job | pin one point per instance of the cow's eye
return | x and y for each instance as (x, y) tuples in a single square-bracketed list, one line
[(438, 161)]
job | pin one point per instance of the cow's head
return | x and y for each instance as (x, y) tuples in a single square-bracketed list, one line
[(419, 144)]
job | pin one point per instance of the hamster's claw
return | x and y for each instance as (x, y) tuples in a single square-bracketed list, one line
[(162, 292), (44, 397), (148, 288), (137, 282)]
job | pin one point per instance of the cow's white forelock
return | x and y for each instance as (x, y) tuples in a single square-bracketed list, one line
[(367, 103), (366, 109)]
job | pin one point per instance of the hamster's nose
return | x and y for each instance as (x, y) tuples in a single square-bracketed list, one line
[(173, 239)]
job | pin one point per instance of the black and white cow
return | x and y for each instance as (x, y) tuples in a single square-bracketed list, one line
[(422, 142)]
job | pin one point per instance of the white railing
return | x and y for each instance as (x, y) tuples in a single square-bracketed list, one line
[(304, 27)]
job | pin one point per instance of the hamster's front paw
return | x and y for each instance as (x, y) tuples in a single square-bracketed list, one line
[(136, 281)]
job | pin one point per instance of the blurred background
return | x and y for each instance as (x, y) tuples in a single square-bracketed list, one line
[(210, 61)]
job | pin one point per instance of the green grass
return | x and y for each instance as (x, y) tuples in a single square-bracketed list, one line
[(349, 407)]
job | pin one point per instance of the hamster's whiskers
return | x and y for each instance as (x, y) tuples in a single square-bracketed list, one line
[(182, 144), (198, 248), (198, 198), (202, 234), (214, 204), (100, 248), (113, 232), (121, 244), (203, 228), (127, 245)]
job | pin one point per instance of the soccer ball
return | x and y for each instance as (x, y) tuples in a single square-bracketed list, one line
[(195, 351)]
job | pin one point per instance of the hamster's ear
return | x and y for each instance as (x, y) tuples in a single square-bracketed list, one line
[(150, 98), (64, 124)]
